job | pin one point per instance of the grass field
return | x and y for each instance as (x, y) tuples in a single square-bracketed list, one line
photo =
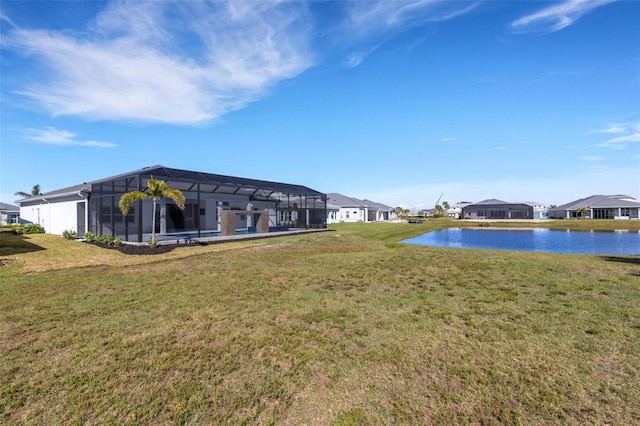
[(336, 328)]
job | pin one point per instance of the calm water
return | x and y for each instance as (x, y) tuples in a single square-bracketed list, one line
[(614, 242)]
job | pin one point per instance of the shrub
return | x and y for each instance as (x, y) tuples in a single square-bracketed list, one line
[(69, 234), (103, 239), (32, 228)]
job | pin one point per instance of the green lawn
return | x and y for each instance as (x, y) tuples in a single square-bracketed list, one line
[(344, 327)]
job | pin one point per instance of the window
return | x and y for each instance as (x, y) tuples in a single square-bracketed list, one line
[(285, 216), (625, 212), (118, 217)]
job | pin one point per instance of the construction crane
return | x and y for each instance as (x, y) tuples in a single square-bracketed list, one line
[(439, 198)]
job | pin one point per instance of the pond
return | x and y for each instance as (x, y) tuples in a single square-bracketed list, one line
[(538, 239)]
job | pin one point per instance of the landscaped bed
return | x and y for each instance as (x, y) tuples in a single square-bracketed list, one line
[(344, 327)]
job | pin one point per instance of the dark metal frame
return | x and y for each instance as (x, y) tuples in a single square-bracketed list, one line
[(105, 194)]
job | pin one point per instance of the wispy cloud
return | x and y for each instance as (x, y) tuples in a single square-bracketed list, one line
[(556, 17), (171, 62), (622, 141), (53, 136), (366, 17), (499, 148), (448, 139), (629, 133), (355, 58), (6, 19), (613, 128), (366, 20), (592, 158)]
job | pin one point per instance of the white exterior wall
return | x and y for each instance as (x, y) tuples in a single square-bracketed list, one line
[(355, 214), (54, 216), (358, 214), (333, 215)]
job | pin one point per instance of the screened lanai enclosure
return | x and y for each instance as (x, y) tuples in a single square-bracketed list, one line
[(214, 205)]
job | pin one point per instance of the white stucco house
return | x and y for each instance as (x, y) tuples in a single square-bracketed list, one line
[(341, 208), (9, 214), (455, 211), (540, 211)]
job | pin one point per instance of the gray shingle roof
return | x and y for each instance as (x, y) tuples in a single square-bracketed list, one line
[(9, 207), (600, 202), (340, 200), (491, 201)]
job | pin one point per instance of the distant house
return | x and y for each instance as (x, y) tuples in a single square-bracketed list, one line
[(497, 209), (540, 211), (9, 214), (341, 208), (599, 207), (455, 211)]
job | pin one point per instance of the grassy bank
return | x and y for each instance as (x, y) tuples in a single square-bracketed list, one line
[(343, 327)]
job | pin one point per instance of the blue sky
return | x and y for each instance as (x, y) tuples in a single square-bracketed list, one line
[(394, 101)]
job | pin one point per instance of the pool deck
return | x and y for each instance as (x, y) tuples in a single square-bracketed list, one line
[(177, 240)]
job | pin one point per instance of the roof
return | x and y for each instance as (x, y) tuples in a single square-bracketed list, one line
[(185, 180), (9, 207), (495, 202), (379, 205), (491, 201), (339, 200), (343, 201), (600, 202)]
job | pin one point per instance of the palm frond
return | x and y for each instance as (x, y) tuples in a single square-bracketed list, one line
[(176, 196), (127, 199)]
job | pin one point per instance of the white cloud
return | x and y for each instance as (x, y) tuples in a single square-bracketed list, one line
[(366, 17), (53, 136), (556, 17), (622, 141), (5, 18), (499, 148), (613, 128), (629, 133), (170, 62), (448, 139), (355, 58)]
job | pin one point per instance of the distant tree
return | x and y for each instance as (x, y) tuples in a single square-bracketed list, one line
[(35, 191), (580, 211), (157, 190), (445, 205)]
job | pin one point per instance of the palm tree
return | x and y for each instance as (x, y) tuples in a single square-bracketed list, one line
[(157, 190), (35, 191)]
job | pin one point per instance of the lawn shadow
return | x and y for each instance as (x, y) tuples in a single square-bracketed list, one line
[(621, 259), (11, 244)]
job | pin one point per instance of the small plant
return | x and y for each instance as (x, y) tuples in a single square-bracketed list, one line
[(90, 237), (69, 234)]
